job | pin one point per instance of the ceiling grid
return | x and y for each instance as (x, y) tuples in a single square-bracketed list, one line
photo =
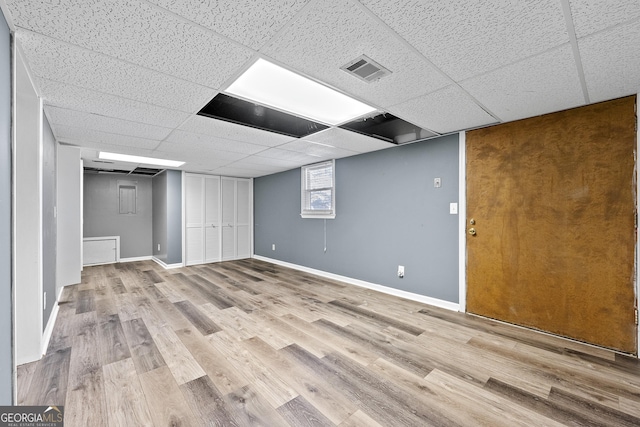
[(130, 76)]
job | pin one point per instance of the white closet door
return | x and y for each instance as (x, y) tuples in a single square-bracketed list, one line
[(212, 250), (243, 218), (228, 218), (194, 220)]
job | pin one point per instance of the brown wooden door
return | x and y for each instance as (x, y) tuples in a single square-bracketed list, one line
[(553, 202)]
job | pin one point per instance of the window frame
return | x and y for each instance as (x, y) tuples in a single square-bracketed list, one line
[(305, 201)]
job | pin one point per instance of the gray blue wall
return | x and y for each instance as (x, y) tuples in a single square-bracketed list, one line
[(102, 218), (167, 217), (6, 342), (388, 214), (49, 221)]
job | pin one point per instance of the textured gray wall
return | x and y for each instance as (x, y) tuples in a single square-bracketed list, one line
[(174, 217), (160, 217), (388, 214), (6, 344), (49, 221), (101, 217)]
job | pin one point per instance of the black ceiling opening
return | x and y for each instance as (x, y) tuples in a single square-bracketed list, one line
[(389, 128), (230, 109)]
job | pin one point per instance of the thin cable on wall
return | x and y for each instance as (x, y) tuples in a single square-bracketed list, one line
[(325, 236)]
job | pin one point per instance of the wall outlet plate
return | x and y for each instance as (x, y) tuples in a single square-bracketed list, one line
[(273, 247), (401, 271)]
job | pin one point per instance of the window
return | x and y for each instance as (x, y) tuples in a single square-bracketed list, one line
[(127, 197), (318, 197)]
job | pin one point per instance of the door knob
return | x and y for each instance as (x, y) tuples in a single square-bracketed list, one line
[(472, 231)]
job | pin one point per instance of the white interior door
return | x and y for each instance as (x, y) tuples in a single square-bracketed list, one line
[(243, 218), (194, 219), (228, 218), (212, 225)]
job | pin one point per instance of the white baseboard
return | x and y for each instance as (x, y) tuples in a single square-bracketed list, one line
[(165, 265), (133, 259), (357, 282), (46, 335)]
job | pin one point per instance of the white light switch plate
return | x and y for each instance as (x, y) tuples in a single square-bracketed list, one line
[(453, 208)]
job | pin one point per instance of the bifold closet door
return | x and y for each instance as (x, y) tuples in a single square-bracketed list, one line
[(228, 218), (194, 247), (212, 219), (243, 218), (202, 212), (236, 218)]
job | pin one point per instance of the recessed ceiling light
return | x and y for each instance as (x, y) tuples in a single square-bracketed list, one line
[(139, 159), (271, 85)]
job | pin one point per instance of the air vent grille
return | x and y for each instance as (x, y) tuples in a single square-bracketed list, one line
[(365, 69)]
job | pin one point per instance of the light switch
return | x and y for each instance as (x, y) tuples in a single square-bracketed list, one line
[(453, 208)]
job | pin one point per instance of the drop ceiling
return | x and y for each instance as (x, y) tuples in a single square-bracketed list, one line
[(129, 76)]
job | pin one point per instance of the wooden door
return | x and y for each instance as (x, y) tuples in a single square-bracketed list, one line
[(553, 203)]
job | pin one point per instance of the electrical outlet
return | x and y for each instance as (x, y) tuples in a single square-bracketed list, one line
[(437, 182), (44, 304), (158, 247), (401, 271), (273, 247)]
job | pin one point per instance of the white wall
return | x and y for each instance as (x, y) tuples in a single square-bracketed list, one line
[(27, 226), (69, 245)]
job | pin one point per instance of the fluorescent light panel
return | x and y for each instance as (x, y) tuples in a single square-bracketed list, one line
[(139, 159), (268, 84)]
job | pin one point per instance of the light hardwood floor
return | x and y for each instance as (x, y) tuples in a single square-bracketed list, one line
[(249, 343)]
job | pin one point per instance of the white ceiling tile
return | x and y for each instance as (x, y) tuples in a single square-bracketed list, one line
[(84, 136), (73, 97), (193, 152), (212, 141), (330, 33), (232, 131), (288, 156), (468, 37), (590, 16), (137, 32), (237, 172), (321, 151), (250, 163), (347, 140), (242, 20), (90, 150), (537, 85), (55, 60), (444, 111), (611, 71), (65, 117)]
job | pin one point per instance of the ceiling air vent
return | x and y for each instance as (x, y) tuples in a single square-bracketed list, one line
[(365, 69)]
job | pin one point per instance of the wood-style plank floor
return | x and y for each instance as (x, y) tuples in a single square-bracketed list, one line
[(248, 343)]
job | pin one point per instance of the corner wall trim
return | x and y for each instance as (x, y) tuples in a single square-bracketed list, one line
[(363, 284), (46, 335), (166, 266)]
